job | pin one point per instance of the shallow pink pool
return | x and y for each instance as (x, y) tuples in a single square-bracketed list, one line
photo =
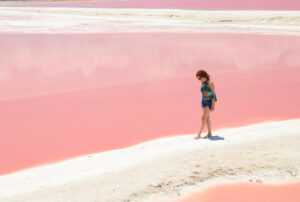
[(247, 193), (182, 4), (64, 95)]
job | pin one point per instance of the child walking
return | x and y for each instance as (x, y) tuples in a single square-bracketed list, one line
[(208, 101)]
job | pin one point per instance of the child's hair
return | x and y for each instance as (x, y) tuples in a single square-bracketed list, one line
[(202, 73)]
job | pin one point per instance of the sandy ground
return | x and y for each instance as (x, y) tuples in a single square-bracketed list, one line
[(165, 168), (97, 20)]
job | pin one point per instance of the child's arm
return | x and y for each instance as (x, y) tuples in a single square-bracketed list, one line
[(213, 90)]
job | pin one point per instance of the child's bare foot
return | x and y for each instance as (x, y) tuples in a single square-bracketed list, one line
[(208, 135), (198, 136)]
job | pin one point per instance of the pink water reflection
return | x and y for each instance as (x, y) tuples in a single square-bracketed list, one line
[(66, 95), (182, 4), (248, 193)]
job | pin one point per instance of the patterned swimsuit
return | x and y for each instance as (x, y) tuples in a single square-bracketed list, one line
[(207, 95)]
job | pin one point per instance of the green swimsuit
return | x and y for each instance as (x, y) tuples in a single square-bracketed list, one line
[(207, 93)]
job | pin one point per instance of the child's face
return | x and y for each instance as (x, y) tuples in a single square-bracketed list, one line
[(202, 79)]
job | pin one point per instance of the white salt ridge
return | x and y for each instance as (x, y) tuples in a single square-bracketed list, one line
[(97, 20)]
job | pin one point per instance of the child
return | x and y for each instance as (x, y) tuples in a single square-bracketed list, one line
[(208, 101)]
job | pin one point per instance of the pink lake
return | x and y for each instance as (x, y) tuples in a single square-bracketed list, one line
[(65, 95), (242, 192), (182, 4)]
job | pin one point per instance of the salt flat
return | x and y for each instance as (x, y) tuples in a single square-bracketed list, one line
[(107, 20), (165, 167)]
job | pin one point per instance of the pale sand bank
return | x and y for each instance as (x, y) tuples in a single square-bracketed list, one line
[(165, 167), (107, 20)]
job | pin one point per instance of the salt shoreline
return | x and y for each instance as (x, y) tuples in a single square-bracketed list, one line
[(107, 20), (165, 168)]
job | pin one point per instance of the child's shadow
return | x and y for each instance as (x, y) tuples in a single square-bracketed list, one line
[(216, 137)]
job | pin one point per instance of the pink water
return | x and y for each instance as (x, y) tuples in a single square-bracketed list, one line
[(182, 4), (64, 95), (247, 193)]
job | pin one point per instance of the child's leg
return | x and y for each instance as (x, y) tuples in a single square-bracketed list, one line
[(208, 126), (206, 111)]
